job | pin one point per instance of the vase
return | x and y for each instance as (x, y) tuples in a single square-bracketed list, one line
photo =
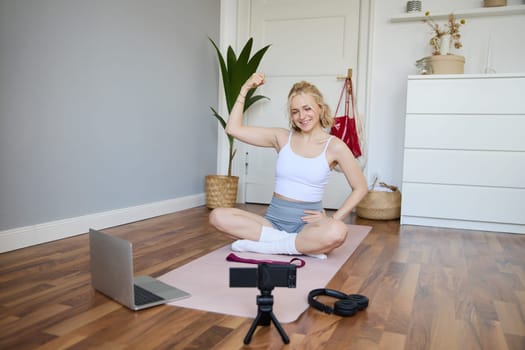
[(445, 43)]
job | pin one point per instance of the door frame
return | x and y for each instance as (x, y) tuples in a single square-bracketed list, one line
[(234, 30)]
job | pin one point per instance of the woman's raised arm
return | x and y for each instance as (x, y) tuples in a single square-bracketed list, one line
[(253, 135)]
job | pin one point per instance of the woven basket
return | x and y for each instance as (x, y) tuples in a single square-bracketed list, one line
[(494, 3), (221, 191), (380, 205)]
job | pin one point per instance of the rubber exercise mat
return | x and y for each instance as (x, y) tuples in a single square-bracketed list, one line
[(207, 280)]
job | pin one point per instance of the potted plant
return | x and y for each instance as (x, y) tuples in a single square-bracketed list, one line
[(221, 190), (442, 61)]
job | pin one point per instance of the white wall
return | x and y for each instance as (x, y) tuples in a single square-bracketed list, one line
[(104, 112), (396, 47)]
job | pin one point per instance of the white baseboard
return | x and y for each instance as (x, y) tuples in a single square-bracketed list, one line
[(50, 231)]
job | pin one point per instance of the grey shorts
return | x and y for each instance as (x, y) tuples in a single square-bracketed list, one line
[(286, 216)]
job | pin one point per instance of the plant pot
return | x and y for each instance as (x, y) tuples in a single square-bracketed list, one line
[(445, 64), (221, 191)]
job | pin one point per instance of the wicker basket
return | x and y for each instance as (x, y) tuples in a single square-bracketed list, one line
[(221, 191), (494, 3), (380, 205)]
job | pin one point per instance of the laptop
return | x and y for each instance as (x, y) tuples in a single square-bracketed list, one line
[(111, 260)]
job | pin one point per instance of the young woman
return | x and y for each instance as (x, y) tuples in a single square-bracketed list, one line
[(295, 222)]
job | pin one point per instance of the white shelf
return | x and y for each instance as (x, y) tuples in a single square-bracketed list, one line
[(475, 12)]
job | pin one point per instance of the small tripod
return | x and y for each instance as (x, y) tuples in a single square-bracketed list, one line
[(265, 316)]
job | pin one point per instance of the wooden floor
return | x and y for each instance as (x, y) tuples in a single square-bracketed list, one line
[(429, 289)]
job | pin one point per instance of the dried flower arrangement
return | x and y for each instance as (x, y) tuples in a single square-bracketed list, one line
[(450, 28)]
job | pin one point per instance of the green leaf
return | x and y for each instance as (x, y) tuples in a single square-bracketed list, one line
[(252, 100), (230, 91), (224, 69), (254, 62), (219, 118), (237, 77), (245, 53)]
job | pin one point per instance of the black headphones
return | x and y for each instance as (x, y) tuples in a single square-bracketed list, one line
[(347, 305)]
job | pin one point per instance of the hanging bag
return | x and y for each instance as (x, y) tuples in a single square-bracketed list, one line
[(345, 126)]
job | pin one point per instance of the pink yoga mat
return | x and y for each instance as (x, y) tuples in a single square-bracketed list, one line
[(207, 280)]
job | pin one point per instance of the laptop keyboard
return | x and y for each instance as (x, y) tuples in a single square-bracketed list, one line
[(143, 296)]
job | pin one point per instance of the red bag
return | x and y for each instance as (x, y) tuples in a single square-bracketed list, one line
[(344, 126)]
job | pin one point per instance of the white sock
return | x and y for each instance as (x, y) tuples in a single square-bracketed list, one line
[(282, 246), (318, 256), (285, 245), (269, 234)]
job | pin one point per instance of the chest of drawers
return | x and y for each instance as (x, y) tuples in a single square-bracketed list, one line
[(464, 152)]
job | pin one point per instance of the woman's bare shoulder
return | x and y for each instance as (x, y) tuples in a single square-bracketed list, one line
[(336, 144), (338, 149)]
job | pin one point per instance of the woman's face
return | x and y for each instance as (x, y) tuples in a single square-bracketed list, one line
[(304, 112)]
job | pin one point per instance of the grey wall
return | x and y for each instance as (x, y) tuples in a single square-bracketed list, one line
[(104, 104)]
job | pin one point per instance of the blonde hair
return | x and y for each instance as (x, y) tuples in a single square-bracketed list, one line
[(306, 88)]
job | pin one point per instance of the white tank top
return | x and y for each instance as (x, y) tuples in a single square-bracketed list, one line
[(301, 178)]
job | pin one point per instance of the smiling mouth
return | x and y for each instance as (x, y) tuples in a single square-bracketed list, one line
[(305, 122)]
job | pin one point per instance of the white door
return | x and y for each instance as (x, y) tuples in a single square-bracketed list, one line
[(310, 40)]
